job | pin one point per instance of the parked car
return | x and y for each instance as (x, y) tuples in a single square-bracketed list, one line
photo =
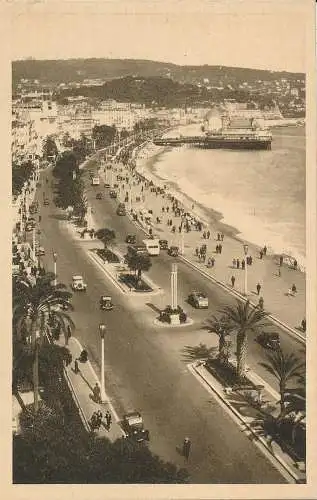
[(78, 284), (40, 251), (163, 244), (198, 300), (106, 185), (99, 196), (269, 340), (173, 251), (133, 426), (46, 201), (113, 193), (131, 239), (30, 224)]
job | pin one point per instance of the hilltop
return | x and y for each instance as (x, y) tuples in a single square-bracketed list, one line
[(77, 70)]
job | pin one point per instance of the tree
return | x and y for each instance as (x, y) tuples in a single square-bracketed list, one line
[(50, 150), (242, 320), (103, 135), (138, 263), (219, 326), (284, 367), (21, 174), (106, 236), (34, 306)]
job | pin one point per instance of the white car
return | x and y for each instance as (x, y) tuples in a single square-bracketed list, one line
[(78, 284), (198, 300)]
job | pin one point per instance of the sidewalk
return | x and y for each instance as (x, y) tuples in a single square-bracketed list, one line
[(246, 415), (81, 386), (274, 288)]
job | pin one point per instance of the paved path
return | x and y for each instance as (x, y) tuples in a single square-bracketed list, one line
[(274, 288), (82, 385)]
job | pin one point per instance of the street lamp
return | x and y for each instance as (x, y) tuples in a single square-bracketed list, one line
[(55, 268), (102, 330), (246, 250)]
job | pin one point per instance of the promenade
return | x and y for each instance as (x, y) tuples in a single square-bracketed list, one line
[(275, 281)]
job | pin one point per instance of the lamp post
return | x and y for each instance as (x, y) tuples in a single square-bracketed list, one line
[(55, 268), (102, 330), (246, 249)]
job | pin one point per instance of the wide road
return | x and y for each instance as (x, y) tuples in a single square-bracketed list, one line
[(144, 365)]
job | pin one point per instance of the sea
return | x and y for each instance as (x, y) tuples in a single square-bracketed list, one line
[(259, 193)]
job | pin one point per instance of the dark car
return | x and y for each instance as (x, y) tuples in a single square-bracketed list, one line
[(163, 244), (121, 210), (99, 196), (106, 185), (112, 193), (131, 239), (46, 201), (133, 426), (173, 251), (269, 340)]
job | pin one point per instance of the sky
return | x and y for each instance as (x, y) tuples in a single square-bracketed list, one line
[(263, 34)]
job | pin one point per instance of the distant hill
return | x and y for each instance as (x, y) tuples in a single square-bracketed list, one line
[(77, 70)]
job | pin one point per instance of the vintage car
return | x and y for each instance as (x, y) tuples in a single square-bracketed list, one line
[(198, 300), (99, 196), (46, 201), (173, 251), (113, 193), (30, 224), (133, 426), (163, 244), (78, 284), (106, 303), (131, 239), (121, 210), (269, 340)]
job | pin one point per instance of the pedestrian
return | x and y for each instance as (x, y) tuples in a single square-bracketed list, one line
[(294, 289), (197, 251), (173, 229), (295, 264), (233, 280), (303, 323), (186, 447), (264, 250), (261, 303), (204, 235), (167, 209), (243, 264), (234, 263), (96, 392), (218, 237), (212, 260), (222, 236), (238, 263), (220, 248), (76, 368), (261, 254), (208, 235), (180, 229), (108, 419), (163, 209), (281, 260), (217, 248), (258, 288)]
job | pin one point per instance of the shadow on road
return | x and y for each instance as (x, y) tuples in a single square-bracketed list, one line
[(153, 307), (200, 352)]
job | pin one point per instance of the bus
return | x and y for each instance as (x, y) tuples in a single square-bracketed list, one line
[(95, 181), (152, 246)]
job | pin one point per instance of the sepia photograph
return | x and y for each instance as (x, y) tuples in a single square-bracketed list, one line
[(161, 243)]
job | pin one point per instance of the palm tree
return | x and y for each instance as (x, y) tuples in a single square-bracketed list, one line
[(285, 367), (138, 263), (243, 319), (219, 326), (34, 306)]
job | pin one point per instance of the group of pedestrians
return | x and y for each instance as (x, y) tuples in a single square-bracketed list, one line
[(97, 418)]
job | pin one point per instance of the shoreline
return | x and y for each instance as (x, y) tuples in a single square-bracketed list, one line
[(147, 167)]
